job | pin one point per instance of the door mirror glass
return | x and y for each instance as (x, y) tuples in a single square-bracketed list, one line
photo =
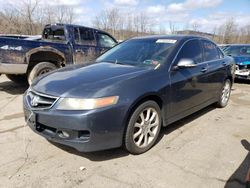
[(186, 63)]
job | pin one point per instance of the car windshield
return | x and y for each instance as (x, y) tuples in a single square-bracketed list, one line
[(237, 50), (139, 52)]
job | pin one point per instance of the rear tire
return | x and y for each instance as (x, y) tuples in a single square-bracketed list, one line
[(40, 69), (20, 79), (225, 94), (143, 128)]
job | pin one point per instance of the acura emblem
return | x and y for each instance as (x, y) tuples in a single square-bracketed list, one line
[(34, 101)]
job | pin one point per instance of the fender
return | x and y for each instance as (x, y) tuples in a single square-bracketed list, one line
[(43, 49)]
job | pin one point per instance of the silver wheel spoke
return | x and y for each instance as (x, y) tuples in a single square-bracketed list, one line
[(142, 118), (138, 143), (139, 132), (151, 133), (152, 117), (148, 114), (154, 124), (145, 143), (138, 125)]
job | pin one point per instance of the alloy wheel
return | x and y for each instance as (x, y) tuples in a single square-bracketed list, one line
[(226, 92), (146, 127)]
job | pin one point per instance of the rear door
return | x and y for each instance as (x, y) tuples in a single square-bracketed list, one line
[(188, 85), (84, 45), (216, 68)]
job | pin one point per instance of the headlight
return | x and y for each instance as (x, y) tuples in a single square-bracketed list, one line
[(86, 104)]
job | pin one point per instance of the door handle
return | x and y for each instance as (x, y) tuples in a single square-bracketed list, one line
[(224, 63), (204, 69)]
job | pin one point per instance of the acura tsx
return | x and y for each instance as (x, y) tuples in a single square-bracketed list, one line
[(129, 93)]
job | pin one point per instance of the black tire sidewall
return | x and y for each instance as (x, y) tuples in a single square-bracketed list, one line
[(128, 139)]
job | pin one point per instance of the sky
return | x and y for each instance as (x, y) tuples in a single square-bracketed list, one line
[(205, 14)]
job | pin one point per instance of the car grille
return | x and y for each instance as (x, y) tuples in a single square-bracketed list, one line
[(40, 101)]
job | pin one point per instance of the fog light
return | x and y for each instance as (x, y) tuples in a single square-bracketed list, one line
[(63, 134)]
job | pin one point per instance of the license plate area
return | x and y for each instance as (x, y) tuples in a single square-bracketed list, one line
[(31, 119)]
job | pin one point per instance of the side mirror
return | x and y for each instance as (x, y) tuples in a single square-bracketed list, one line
[(186, 63)]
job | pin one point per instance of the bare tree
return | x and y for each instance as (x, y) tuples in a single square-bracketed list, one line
[(172, 27), (64, 14), (230, 31), (195, 26)]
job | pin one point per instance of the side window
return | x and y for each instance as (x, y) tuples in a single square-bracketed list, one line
[(84, 36), (105, 40), (76, 35), (54, 34), (191, 50), (210, 51), (221, 55)]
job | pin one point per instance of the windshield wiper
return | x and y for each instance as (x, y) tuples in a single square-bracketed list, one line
[(118, 62)]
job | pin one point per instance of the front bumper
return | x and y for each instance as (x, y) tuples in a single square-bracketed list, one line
[(242, 74), (86, 130), (6, 68)]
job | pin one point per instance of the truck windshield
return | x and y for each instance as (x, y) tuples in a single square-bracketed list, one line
[(139, 52), (54, 33)]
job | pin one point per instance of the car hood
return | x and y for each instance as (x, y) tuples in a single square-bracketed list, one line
[(85, 81), (242, 60)]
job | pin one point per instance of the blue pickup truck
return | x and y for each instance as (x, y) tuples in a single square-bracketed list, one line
[(60, 45), (241, 55)]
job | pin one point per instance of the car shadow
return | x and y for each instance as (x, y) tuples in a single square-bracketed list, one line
[(238, 178), (13, 88), (180, 123), (104, 155), (120, 152), (241, 81)]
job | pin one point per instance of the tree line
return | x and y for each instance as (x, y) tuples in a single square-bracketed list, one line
[(29, 17)]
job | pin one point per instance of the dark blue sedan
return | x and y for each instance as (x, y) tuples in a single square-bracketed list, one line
[(129, 93)]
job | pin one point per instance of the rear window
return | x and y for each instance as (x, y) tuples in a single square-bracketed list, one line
[(54, 33)]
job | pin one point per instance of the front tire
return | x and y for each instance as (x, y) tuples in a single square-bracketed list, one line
[(143, 128), (40, 69), (225, 94)]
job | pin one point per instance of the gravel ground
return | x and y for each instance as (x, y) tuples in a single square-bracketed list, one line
[(207, 149)]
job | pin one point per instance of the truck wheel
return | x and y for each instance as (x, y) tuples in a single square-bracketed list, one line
[(143, 128), (17, 78), (40, 69)]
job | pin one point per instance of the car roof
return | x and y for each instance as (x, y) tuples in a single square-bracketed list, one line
[(237, 44), (174, 37), (73, 25)]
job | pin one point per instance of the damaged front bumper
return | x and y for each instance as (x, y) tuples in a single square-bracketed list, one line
[(242, 72)]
